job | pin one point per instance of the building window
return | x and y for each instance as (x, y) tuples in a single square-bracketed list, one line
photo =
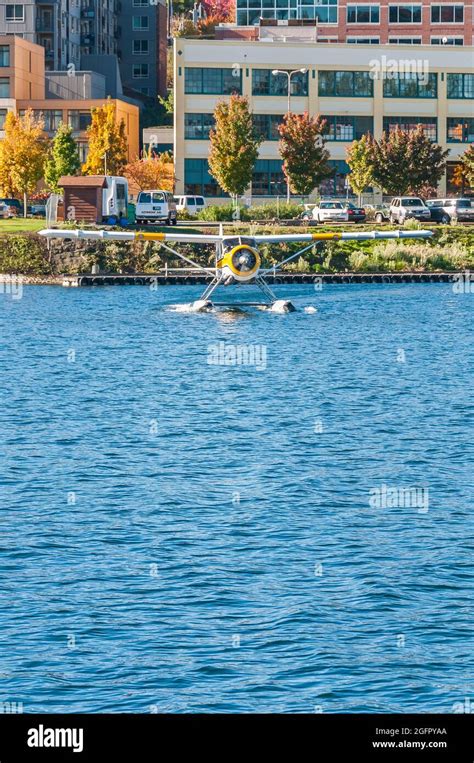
[(346, 128), (140, 48), (83, 150), (460, 129), (4, 87), (140, 3), (345, 84), (51, 118), (268, 178), (337, 184), (460, 85), (266, 125), (140, 22), (212, 81), (404, 14), (447, 40), (409, 124), (363, 14), (249, 12), (198, 181), (363, 40), (3, 116), (411, 85), (4, 55), (15, 13), (197, 126), (266, 83), (139, 71), (79, 120), (447, 14), (404, 40)]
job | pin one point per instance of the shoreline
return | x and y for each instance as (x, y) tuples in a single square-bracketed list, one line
[(167, 279)]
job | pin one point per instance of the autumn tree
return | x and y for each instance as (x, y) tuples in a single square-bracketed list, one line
[(464, 172), (360, 158), (407, 162), (302, 148), (151, 171), (107, 142), (22, 154), (224, 9), (234, 146), (63, 158)]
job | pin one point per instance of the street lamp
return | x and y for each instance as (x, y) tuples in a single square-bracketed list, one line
[(290, 74)]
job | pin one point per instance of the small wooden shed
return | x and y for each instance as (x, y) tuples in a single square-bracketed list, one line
[(83, 197)]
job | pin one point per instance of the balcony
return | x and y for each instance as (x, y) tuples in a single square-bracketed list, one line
[(45, 25)]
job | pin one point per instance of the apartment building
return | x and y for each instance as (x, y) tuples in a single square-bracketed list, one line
[(75, 32), (142, 46), (66, 29), (342, 82), (24, 85), (376, 23)]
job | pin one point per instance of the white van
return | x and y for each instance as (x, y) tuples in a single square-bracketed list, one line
[(191, 204), (115, 199), (155, 206)]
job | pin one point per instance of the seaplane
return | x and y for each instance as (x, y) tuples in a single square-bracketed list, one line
[(238, 259)]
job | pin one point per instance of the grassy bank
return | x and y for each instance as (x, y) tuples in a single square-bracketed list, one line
[(450, 249), (21, 225)]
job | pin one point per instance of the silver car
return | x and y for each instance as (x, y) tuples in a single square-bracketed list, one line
[(405, 207), (454, 209)]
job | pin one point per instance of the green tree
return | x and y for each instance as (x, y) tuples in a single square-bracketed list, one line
[(63, 158), (360, 158), (107, 142), (302, 148), (234, 146), (408, 162)]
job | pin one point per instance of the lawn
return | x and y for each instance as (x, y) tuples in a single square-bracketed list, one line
[(20, 225)]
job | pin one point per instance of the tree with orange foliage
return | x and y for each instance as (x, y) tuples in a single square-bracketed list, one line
[(463, 176), (150, 171), (223, 9), (107, 142), (22, 155)]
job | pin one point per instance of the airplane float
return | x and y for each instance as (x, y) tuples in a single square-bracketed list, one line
[(237, 258)]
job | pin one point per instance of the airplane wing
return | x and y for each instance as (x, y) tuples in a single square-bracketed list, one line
[(204, 238), (343, 236), (311, 238), (113, 235), (160, 238)]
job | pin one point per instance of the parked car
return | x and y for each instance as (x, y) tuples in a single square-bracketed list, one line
[(330, 211), (356, 214), (15, 205), (154, 207), (381, 213), (307, 214), (403, 208), (445, 210), (6, 211), (190, 204), (37, 210), (438, 215)]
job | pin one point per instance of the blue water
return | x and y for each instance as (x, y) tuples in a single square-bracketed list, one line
[(180, 536)]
